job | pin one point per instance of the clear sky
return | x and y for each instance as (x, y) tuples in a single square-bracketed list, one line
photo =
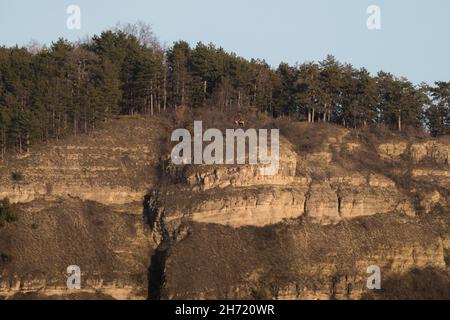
[(414, 40)]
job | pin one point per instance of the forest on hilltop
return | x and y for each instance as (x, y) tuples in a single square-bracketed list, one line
[(68, 88)]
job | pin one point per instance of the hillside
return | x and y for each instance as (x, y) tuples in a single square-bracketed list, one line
[(79, 202), (140, 227)]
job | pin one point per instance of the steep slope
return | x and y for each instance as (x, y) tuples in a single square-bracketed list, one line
[(302, 260), (311, 231), (79, 202), (140, 227), (110, 246), (115, 165)]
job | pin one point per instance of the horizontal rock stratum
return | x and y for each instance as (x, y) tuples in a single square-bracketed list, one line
[(239, 196)]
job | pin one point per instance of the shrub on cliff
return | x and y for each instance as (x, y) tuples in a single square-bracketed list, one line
[(7, 215), (5, 258), (17, 176)]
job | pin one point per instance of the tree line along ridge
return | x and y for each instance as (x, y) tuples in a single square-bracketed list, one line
[(68, 88)]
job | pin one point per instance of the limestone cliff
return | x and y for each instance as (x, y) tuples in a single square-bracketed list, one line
[(309, 232), (139, 226), (79, 202), (113, 166)]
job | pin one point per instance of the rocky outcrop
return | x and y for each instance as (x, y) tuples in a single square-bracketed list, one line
[(241, 196), (434, 151), (79, 202), (310, 232), (107, 167), (392, 151), (257, 207), (336, 206)]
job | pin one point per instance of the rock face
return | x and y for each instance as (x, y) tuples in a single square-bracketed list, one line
[(79, 202), (240, 196), (112, 247), (311, 231), (301, 260), (114, 166), (258, 207), (436, 151), (141, 227), (431, 150)]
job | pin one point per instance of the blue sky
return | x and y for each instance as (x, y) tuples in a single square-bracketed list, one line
[(414, 40)]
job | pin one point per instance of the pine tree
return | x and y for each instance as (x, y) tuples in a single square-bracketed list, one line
[(179, 77), (438, 113), (330, 81)]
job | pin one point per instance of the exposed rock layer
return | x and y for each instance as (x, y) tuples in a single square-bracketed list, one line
[(309, 232)]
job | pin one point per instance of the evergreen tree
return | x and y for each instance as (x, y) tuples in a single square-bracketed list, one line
[(47, 93), (438, 113), (179, 78)]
